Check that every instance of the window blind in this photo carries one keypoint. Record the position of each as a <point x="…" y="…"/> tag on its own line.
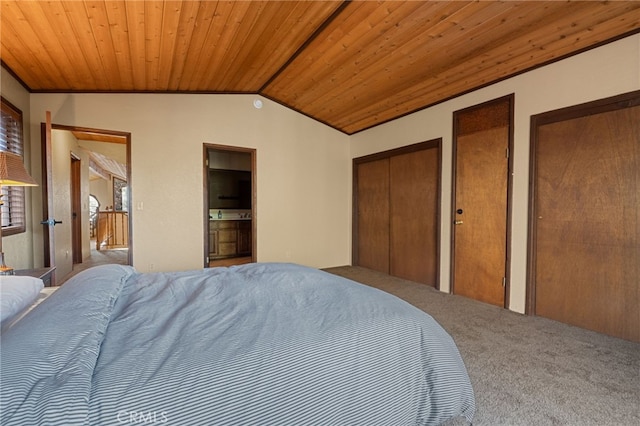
<point x="13" y="208"/>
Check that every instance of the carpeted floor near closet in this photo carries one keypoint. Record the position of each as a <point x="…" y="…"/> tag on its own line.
<point x="528" y="370"/>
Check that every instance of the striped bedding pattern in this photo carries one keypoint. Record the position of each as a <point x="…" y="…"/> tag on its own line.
<point x="257" y="344"/>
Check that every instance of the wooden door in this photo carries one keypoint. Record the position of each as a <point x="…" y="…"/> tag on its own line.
<point x="372" y="215"/>
<point x="480" y="212"/>
<point x="414" y="204"/>
<point x="76" y="211"/>
<point x="586" y="217"/>
<point x="48" y="221"/>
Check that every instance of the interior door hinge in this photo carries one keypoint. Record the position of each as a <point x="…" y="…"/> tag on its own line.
<point x="507" y="153"/>
<point x="504" y="281"/>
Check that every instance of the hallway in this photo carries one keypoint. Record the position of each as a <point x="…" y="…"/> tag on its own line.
<point x="101" y="257"/>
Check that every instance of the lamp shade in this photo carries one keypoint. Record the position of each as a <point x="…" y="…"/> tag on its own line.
<point x="12" y="171"/>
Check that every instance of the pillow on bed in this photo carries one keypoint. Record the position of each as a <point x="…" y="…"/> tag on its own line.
<point x="17" y="293"/>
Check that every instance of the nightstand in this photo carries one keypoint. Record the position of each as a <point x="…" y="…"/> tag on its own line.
<point x="45" y="274"/>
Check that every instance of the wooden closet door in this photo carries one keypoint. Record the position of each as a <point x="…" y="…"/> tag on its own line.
<point x="587" y="222"/>
<point x="413" y="193"/>
<point x="373" y="215"/>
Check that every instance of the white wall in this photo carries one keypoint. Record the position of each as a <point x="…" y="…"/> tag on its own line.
<point x="599" y="73"/>
<point x="18" y="248"/>
<point x="303" y="170"/>
<point x="101" y="189"/>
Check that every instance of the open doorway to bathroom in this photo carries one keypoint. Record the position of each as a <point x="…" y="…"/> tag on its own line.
<point x="230" y="204"/>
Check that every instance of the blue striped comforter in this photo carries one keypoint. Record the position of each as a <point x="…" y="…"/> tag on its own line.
<point x="259" y="344"/>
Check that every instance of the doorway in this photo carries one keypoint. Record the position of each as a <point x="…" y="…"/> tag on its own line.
<point x="584" y="244"/>
<point x="66" y="216"/>
<point x="483" y="140"/>
<point x="229" y="175"/>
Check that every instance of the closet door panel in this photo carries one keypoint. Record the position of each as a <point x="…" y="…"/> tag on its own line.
<point x="413" y="193"/>
<point x="373" y="215"/>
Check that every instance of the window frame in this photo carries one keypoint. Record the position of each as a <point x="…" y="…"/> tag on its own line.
<point x="14" y="220"/>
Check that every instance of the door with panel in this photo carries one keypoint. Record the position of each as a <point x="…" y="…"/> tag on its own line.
<point x="371" y="248"/>
<point x="480" y="201"/>
<point x="76" y="209"/>
<point x="586" y="217"/>
<point x="48" y="221"/>
<point x="414" y="205"/>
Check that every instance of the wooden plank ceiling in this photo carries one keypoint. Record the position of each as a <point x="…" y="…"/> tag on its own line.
<point x="351" y="65"/>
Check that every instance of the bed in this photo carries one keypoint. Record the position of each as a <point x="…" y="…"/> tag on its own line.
<point x="256" y="344"/>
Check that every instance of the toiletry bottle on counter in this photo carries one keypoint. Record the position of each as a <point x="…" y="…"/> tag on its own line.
<point x="219" y="214"/>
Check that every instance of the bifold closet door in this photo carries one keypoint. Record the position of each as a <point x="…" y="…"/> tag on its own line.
<point x="373" y="215"/>
<point x="413" y="194"/>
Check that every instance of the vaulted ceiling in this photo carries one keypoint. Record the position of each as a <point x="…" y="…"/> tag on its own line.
<point x="351" y="65"/>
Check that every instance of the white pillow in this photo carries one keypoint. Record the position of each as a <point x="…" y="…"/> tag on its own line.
<point x="17" y="293"/>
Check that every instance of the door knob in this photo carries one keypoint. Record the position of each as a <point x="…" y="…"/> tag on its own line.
<point x="457" y="222"/>
<point x="51" y="222"/>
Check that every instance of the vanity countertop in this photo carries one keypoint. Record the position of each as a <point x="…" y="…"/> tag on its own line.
<point x="229" y="214"/>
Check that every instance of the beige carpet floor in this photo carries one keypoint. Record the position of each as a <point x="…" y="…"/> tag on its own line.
<point x="528" y="370"/>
